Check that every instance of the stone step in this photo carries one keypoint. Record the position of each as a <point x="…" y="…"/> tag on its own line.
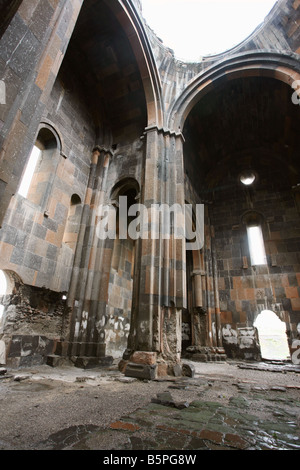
<point x="86" y="362"/>
<point x="54" y="360"/>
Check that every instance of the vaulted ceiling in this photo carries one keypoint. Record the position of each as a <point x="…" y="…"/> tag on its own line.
<point x="244" y="123"/>
<point x="101" y="56"/>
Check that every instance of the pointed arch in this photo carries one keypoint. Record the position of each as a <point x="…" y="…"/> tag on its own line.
<point x="128" y="17"/>
<point x="254" y="64"/>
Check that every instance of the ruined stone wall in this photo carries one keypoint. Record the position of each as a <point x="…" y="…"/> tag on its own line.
<point x="32" y="236"/>
<point x="32" y="324"/>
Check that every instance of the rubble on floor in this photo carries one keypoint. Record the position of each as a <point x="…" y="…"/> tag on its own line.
<point x="222" y="407"/>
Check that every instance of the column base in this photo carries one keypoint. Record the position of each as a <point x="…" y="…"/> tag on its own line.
<point x="148" y="366"/>
<point x="85" y="362"/>
<point x="205" y="354"/>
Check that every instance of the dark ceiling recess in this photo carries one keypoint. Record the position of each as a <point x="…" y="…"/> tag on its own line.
<point x="101" y="55"/>
<point x="246" y="124"/>
<point x="8" y="9"/>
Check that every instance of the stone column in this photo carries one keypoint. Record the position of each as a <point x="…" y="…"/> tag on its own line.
<point x="216" y="293"/>
<point x="161" y="285"/>
<point x="199" y="323"/>
<point x="88" y="291"/>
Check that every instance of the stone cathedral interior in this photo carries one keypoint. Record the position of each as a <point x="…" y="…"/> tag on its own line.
<point x="97" y="110"/>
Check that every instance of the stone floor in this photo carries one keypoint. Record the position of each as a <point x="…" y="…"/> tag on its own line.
<point x="225" y="406"/>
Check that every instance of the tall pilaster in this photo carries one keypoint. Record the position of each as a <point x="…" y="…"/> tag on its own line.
<point x="162" y="267"/>
<point x="88" y="295"/>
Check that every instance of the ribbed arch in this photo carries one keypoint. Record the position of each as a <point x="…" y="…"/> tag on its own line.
<point x="262" y="64"/>
<point x="129" y="19"/>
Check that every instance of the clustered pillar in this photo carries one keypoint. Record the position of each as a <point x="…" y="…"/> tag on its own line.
<point x="156" y="337"/>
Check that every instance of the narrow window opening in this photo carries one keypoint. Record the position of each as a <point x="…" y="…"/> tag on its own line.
<point x="29" y="171"/>
<point x="73" y="222"/>
<point x="272" y="336"/>
<point x="256" y="245"/>
<point x="37" y="179"/>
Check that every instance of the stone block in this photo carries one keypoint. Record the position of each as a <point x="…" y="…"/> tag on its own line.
<point x="56" y="361"/>
<point x="101" y="349"/>
<point x="143" y="357"/>
<point x="15" y="346"/>
<point x="177" y="370"/>
<point x="162" y="369"/>
<point x="188" y="370"/>
<point x="164" y="398"/>
<point x="141" y="371"/>
<point x="2" y="354"/>
<point x="85" y="362"/>
<point x="199" y="357"/>
<point x="122" y="365"/>
<point x="127" y="354"/>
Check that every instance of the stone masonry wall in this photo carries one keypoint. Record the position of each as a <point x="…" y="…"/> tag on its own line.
<point x="244" y="291"/>
<point x="32" y="235"/>
<point x="34" y="321"/>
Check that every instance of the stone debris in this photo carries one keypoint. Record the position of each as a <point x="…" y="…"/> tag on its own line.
<point x="188" y="370"/>
<point x="141" y="371"/>
<point x="198" y="413"/>
<point x="271" y="367"/>
<point x="279" y="389"/>
<point x="20" y="378"/>
<point x="166" y="399"/>
<point x="126" y="379"/>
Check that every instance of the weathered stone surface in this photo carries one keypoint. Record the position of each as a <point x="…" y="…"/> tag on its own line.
<point x="21" y="377"/>
<point x="141" y="371"/>
<point x="56" y="361"/>
<point x="122" y="365"/>
<point x="92" y="362"/>
<point x="143" y="357"/>
<point x="2" y="353"/>
<point x="188" y="370"/>
<point x="162" y="369"/>
<point x="177" y="370"/>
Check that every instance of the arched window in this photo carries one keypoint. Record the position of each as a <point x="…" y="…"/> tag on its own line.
<point x="39" y="172"/>
<point x="29" y="171"/>
<point x="256" y="245"/>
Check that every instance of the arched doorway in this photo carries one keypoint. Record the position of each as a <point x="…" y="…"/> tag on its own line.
<point x="272" y="336"/>
<point x="121" y="273"/>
